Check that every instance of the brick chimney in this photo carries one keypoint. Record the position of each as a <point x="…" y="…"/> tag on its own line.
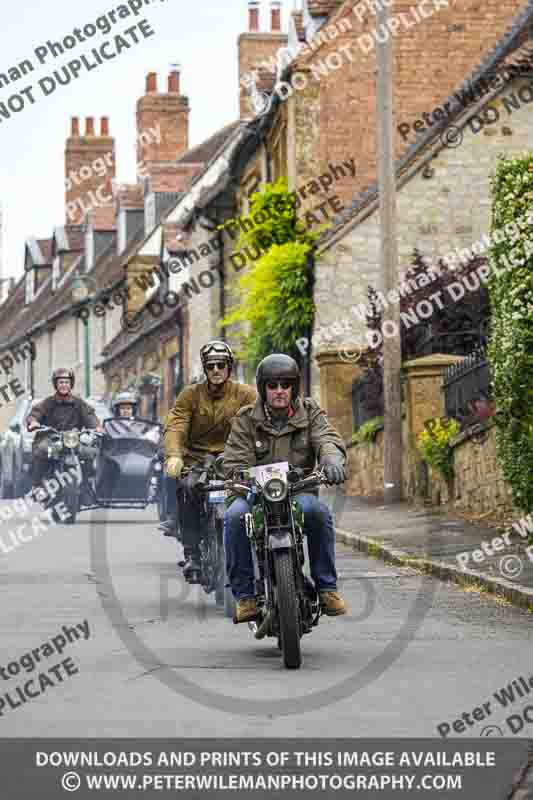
<point x="258" y="51"/>
<point x="275" y="16"/>
<point x="162" y="122"/>
<point x="90" y="166"/>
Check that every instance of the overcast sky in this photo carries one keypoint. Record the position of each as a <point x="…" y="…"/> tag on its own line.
<point x="201" y="36"/>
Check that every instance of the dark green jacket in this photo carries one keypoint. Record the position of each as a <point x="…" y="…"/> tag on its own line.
<point x="304" y="440"/>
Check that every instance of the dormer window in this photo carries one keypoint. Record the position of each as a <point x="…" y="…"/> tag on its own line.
<point x="56" y="272"/>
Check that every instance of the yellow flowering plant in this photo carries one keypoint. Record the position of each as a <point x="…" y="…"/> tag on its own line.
<point x="434" y="443"/>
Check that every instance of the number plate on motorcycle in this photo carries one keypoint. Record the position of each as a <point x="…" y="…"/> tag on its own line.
<point x="217" y="497"/>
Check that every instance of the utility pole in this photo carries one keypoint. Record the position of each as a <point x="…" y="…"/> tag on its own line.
<point x="392" y="351"/>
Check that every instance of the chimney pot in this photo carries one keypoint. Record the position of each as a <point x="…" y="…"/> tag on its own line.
<point x="253" y="12"/>
<point x="174" y="82"/>
<point x="151" y="82"/>
<point x="89" y="126"/>
<point x="275" y="10"/>
<point x="74" y="126"/>
<point x="104" y="126"/>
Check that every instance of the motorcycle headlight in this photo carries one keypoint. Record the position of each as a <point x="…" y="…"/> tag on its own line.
<point x="275" y="490"/>
<point x="86" y="439"/>
<point x="71" y="439"/>
<point x="158" y="466"/>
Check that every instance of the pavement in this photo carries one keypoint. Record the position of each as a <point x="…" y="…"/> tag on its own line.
<point x="441" y="545"/>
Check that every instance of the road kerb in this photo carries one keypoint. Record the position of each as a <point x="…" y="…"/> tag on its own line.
<point x="514" y="593"/>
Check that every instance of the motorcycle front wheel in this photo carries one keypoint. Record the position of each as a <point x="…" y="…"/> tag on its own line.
<point x="289" y="609"/>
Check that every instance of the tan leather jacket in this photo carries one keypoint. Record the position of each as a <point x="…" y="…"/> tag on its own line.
<point x="200" y="422"/>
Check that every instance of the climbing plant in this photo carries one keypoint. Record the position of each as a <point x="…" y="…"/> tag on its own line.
<point x="511" y="341"/>
<point x="276" y="293"/>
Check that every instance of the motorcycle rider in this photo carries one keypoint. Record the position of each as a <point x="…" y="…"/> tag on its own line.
<point x="62" y="411"/>
<point x="125" y="405"/>
<point x="282" y="427"/>
<point x="197" y="426"/>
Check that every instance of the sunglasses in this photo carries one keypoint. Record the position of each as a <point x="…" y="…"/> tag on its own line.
<point x="272" y="385"/>
<point x="216" y="364"/>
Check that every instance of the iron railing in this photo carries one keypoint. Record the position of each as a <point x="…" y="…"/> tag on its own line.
<point x="467" y="389"/>
<point x="367" y="397"/>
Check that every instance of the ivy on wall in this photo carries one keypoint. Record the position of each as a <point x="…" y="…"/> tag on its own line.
<point x="276" y="295"/>
<point x="511" y="341"/>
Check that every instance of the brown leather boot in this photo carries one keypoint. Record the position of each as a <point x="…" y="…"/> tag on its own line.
<point x="332" y="604"/>
<point x="246" y="609"/>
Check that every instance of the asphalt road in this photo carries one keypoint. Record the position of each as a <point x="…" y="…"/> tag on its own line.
<point x="161" y="659"/>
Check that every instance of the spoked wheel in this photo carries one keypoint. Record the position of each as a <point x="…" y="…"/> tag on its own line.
<point x="71" y="500"/>
<point x="289" y="610"/>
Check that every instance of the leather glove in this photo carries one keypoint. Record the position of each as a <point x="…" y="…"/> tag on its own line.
<point x="174" y="466"/>
<point x="190" y="482"/>
<point x="333" y="469"/>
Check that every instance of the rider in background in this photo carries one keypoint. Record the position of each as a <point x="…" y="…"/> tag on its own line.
<point x="125" y="405"/>
<point x="62" y="411"/>
<point x="197" y="426"/>
<point x="282" y="427"/>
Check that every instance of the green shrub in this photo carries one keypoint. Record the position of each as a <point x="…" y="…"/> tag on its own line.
<point x="511" y="341"/>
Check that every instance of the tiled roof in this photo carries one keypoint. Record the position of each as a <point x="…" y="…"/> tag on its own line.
<point x="45" y="246"/>
<point x="204" y="152"/>
<point x="511" y="47"/>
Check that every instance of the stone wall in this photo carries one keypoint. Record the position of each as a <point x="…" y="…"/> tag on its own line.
<point x="479" y="483"/>
<point x="478" y="487"/>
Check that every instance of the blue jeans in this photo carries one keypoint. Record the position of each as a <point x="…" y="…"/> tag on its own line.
<point x="318" y="527"/>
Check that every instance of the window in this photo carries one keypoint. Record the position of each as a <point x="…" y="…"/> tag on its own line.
<point x="122" y="232"/>
<point x="89" y="249"/>
<point x="149" y="213"/>
<point x="29" y="286"/>
<point x="56" y="272"/>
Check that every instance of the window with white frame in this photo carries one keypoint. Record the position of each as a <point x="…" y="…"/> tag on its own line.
<point x="122" y="232"/>
<point x="56" y="272"/>
<point x="29" y="286"/>
<point x="149" y="213"/>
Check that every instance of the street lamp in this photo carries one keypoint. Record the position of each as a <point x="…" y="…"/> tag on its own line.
<point x="83" y="287"/>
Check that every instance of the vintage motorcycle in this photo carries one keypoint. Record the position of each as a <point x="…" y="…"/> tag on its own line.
<point x="129" y="465"/>
<point x="287" y="600"/>
<point x="70" y="453"/>
<point x="212" y="490"/>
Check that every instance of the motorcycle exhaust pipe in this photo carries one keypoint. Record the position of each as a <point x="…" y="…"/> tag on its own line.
<point x="263" y="629"/>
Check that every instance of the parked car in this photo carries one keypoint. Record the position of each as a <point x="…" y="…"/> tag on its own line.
<point x="16" y="447"/>
<point x="15" y="452"/>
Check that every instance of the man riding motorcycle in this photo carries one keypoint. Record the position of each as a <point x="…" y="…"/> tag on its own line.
<point x="125" y="405"/>
<point x="282" y="427"/>
<point x="62" y="411"/>
<point x="197" y="426"/>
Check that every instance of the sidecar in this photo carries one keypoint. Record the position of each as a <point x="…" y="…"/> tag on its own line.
<point x="128" y="467"/>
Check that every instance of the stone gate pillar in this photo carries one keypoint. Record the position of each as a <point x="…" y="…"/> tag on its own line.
<point x="424" y="399"/>
<point x="337" y="374"/>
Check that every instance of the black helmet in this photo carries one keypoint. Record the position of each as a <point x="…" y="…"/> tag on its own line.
<point x="215" y="349"/>
<point x="124" y="398"/>
<point x="62" y="373"/>
<point x="277" y="367"/>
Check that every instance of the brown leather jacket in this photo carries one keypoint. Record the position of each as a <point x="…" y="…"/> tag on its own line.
<point x="200" y="422"/>
<point x="305" y="438"/>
